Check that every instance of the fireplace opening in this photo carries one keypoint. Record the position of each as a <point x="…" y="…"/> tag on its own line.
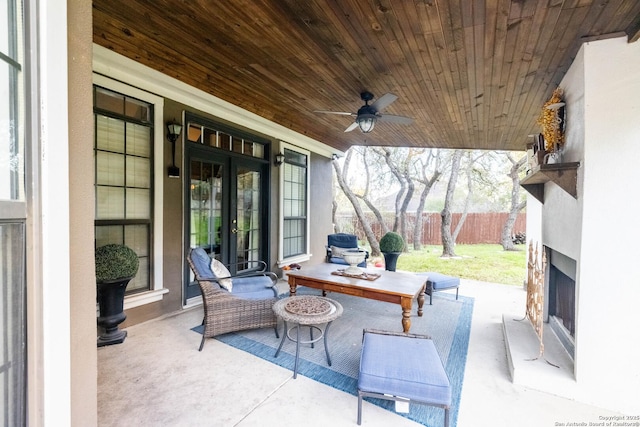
<point x="561" y="299"/>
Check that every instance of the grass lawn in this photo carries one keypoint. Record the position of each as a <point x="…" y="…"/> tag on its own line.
<point x="487" y="263"/>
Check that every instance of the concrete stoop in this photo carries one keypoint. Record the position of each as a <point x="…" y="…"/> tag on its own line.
<point x="528" y="368"/>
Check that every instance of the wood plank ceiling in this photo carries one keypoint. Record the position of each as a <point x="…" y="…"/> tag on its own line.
<point x="471" y="73"/>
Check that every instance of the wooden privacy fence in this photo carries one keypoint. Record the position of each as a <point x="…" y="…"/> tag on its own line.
<point x="477" y="227"/>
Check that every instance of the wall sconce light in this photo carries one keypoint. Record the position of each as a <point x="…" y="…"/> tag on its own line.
<point x="173" y="132"/>
<point x="334" y="156"/>
<point x="279" y="159"/>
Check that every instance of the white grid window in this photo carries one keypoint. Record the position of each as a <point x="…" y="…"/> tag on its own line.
<point x="124" y="165"/>
<point x="294" y="181"/>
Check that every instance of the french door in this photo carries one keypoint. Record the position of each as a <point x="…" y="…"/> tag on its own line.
<point x="226" y="199"/>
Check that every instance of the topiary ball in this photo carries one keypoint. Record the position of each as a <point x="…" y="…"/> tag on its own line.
<point x="391" y="242"/>
<point x="115" y="262"/>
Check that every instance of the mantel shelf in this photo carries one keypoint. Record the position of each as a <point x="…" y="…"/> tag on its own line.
<point x="564" y="175"/>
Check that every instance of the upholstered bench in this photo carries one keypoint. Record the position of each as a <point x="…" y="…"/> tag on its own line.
<point x="439" y="282"/>
<point x="402" y="367"/>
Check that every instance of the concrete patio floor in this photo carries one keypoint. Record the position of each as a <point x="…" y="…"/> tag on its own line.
<point x="157" y="377"/>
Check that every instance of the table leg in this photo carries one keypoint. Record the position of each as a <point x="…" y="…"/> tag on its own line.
<point x="284" y="337"/>
<point x="292" y="287"/>
<point x="311" y="336"/>
<point x="421" y="300"/>
<point x="406" y="314"/>
<point x="326" y="349"/>
<point x="295" y="366"/>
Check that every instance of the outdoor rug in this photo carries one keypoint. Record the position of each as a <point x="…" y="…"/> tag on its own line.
<point x="447" y="321"/>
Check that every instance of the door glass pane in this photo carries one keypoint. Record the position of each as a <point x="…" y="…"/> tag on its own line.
<point x="12" y="324"/>
<point x="249" y="213"/>
<point x="206" y="206"/>
<point x="11" y="134"/>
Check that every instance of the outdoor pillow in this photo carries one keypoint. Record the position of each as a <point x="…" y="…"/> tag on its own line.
<point x="220" y="271"/>
<point x="339" y="252"/>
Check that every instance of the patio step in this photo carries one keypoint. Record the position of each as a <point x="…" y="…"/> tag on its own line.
<point x="531" y="371"/>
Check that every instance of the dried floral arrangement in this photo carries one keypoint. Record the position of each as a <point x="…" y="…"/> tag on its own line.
<point x="552" y="121"/>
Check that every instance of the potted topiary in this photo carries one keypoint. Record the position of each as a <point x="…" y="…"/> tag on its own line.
<point x="391" y="246"/>
<point x="116" y="265"/>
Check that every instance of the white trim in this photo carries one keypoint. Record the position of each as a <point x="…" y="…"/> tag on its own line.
<point x="302" y="257"/>
<point x="107" y="62"/>
<point x="143" y="298"/>
<point x="56" y="352"/>
<point x="158" y="290"/>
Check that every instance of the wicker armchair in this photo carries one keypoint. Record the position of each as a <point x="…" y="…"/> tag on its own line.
<point x="248" y="306"/>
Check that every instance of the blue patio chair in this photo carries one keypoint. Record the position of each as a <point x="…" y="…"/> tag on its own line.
<point x="338" y="243"/>
<point x="247" y="305"/>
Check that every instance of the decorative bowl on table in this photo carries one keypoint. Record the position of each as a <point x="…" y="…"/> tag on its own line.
<point x="353" y="258"/>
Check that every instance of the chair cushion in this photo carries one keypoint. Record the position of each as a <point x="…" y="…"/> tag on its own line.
<point x="202" y="264"/>
<point x="441" y="281"/>
<point x="253" y="287"/>
<point x="342" y="240"/>
<point x="403" y="367"/>
<point x="220" y="271"/>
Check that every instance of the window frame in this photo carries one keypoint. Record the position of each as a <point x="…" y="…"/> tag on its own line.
<point x="157" y="290"/>
<point x="306" y="256"/>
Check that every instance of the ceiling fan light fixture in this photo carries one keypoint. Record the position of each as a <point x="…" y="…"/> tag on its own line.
<point x="366" y="122"/>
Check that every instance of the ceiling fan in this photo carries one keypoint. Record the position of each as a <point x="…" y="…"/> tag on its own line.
<point x="368" y="114"/>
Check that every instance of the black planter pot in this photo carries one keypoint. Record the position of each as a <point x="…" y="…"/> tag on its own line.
<point x="390" y="260"/>
<point x="111" y="302"/>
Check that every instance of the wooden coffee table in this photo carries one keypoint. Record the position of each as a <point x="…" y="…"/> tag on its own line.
<point x="391" y="286"/>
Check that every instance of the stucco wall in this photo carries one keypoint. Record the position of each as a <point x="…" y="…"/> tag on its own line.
<point x="321" y="199"/>
<point x="599" y="229"/>
<point x="609" y="281"/>
<point x="84" y="371"/>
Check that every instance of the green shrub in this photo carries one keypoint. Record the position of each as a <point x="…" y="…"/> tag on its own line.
<point x="115" y="262"/>
<point x="391" y="242"/>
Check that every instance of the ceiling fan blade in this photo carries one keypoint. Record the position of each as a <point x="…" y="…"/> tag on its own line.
<point x="395" y="119"/>
<point x="384" y="101"/>
<point x="351" y="127"/>
<point x="342" y="113"/>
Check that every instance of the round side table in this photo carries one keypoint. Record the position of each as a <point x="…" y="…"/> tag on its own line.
<point x="310" y="311"/>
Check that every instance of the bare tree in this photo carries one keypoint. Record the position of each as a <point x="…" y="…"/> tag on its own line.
<point x="516" y="204"/>
<point x="433" y="157"/>
<point x="395" y="168"/>
<point x="447" y="239"/>
<point x="365" y="195"/>
<point x="401" y="164"/>
<point x="366" y="226"/>
<point x="472" y="175"/>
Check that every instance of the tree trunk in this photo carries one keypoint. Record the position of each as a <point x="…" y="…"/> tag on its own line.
<point x="516" y="206"/>
<point x="403" y="188"/>
<point x="447" y="239"/>
<point x="365" y="196"/>
<point x="371" y="238"/>
<point x="405" y="205"/>
<point x="428" y="184"/>
<point x="467" y="201"/>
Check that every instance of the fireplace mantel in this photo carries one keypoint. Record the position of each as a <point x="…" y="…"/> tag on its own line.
<point x="563" y="174"/>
